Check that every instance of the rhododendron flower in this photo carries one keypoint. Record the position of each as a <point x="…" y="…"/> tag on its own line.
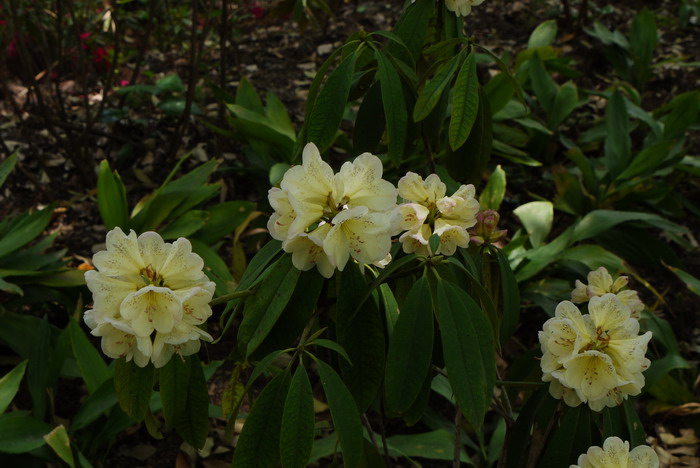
<point x="149" y="297"/>
<point x="323" y="218"/>
<point x="600" y="282"/>
<point x="616" y="454"/>
<point x="462" y="7"/>
<point x="428" y="211"/>
<point x="596" y="358"/>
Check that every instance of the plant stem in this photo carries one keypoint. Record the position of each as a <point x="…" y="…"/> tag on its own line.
<point x="231" y="296"/>
<point x="456" y="454"/>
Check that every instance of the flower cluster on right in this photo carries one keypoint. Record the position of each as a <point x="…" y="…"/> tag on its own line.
<point x="616" y="454"/>
<point x="595" y="358"/>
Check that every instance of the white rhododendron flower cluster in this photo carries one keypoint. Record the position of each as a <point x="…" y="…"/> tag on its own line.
<point x="462" y="7"/>
<point x="149" y="298"/>
<point x="600" y="282"/>
<point x="597" y="358"/>
<point x="616" y="454"/>
<point x="323" y="218"/>
<point x="428" y="211"/>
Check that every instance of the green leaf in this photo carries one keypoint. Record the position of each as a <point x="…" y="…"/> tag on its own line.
<point x="648" y="160"/>
<point x="95" y="405"/>
<point x="565" y="101"/>
<point x="684" y="113"/>
<point x="434" y="242"/>
<point x="59" y="441"/>
<point x="470" y="160"/>
<point x="277" y="114"/>
<point x="185" y="225"/>
<point x="543" y="35"/>
<point x="185" y="398"/>
<point x="536" y="218"/>
<point x="20" y="432"/>
<point x="468" y="348"/>
<point x="170" y="84"/>
<point x="9" y="385"/>
<point x="643" y="37"/>
<point x="545" y="88"/>
<point x="329" y="107"/>
<point x="37" y="368"/>
<point x="297" y="434"/>
<point x="263" y="308"/>
<point x="394" y="107"/>
<point x="510" y="296"/>
<point x="634" y="425"/>
<point x="223" y="219"/>
<point x="259" y="443"/>
<point x="111" y="198"/>
<point x="247" y="97"/>
<point x="7" y="166"/>
<point x="24" y="229"/>
<point x="361" y="334"/>
<point x="413" y="25"/>
<point x="258" y="127"/>
<point x="430" y="95"/>
<point x="617" y="143"/>
<point x="370" y="121"/>
<point x="346" y="417"/>
<point x="690" y="281"/>
<point x="92" y="366"/>
<point x="133" y="386"/>
<point x="594" y="257"/>
<point x="410" y="350"/>
<point x="570" y="439"/>
<point x="492" y="195"/>
<point x="332" y="345"/>
<point x="465" y="104"/>
<point x="434" y="445"/>
<point x="599" y="221"/>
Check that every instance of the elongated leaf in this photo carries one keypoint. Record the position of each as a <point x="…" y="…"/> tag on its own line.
<point x="264" y="307"/>
<point x="328" y="110"/>
<point x="361" y="334"/>
<point x="297" y="434"/>
<point x="24" y="229"/>
<point x="7" y="166"/>
<point x="9" y="384"/>
<point x="259" y="443"/>
<point x="95" y="405"/>
<point x="333" y="346"/>
<point x="643" y="37"/>
<point x="684" y="113"/>
<point x="183" y="391"/>
<point x="617" y="142"/>
<point x="648" y="160"/>
<point x="690" y="281"/>
<point x="413" y="25"/>
<point x="634" y="425"/>
<point x="59" y="441"/>
<point x="20" y="432"/>
<point x="92" y="366"/>
<point x="492" y="195"/>
<point x="543" y="35"/>
<point x="565" y="101"/>
<point x="37" y="369"/>
<point x="465" y="104"/>
<point x="430" y="95"/>
<point x="571" y="438"/>
<point x="468" y="348"/>
<point x="537" y="220"/>
<point x="247" y="97"/>
<point x="545" y="88"/>
<point x="410" y="350"/>
<point x="346" y="417"/>
<point x="370" y="121"/>
<point x="133" y="385"/>
<point x="111" y="198"/>
<point x="599" y="221"/>
<point x="394" y="107"/>
<point x="510" y="296"/>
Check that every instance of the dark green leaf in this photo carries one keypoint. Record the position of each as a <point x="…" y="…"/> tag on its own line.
<point x="430" y="95"/>
<point x="297" y="434"/>
<point x="346" y="417"/>
<point x="565" y="101"/>
<point x="259" y="443"/>
<point x="24" y="229"/>
<point x="263" y="308"/>
<point x="510" y="296"/>
<point x="6" y="167"/>
<point x="395" y="112"/>
<point x="37" y="369"/>
<point x="247" y="97"/>
<point x="370" y="121"/>
<point x="19" y="432"/>
<point x="545" y="88"/>
<point x="95" y="405"/>
<point x="648" y="160"/>
<point x="465" y="104"/>
<point x="170" y="84"/>
<point x="492" y="195"/>
<point x="543" y="35"/>
<point x="468" y="348"/>
<point x="322" y="123"/>
<point x="410" y="350"/>
<point x="133" y="386"/>
<point x="413" y="25"/>
<point x="634" y="425"/>
<point x="92" y="366"/>
<point x="617" y="142"/>
<point x="570" y="439"/>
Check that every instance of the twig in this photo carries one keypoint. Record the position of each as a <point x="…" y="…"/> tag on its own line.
<point x="382" y="429"/>
<point x="231" y="296"/>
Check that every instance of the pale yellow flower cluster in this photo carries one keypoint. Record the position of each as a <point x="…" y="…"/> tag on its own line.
<point x="616" y="454"/>
<point x="428" y="211"/>
<point x="149" y="298"/>
<point x="323" y="219"/>
<point x="597" y="358"/>
<point x="600" y="282"/>
<point x="462" y="7"/>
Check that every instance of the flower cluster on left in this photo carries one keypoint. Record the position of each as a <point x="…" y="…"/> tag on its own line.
<point x="149" y="298"/>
